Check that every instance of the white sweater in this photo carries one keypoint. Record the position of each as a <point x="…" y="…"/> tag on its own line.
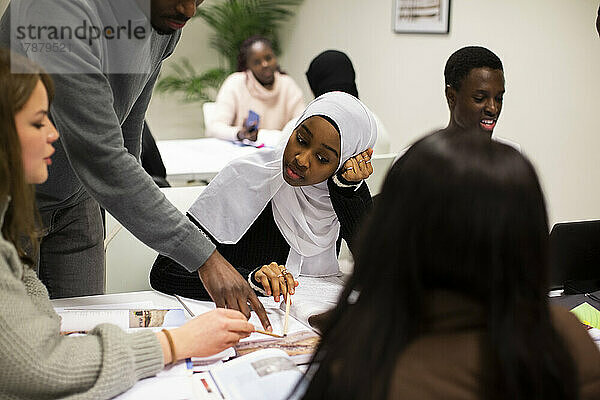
<point x="241" y="92"/>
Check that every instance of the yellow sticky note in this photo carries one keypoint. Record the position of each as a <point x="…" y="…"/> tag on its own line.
<point x="588" y="315"/>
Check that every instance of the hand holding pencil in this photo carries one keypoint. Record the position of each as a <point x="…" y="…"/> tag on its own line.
<point x="276" y="280"/>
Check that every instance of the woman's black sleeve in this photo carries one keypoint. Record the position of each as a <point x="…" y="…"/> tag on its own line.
<point x="351" y="204"/>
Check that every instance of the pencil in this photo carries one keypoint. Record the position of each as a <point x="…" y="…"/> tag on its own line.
<point x="184" y="306"/>
<point x="268" y="333"/>
<point x="287" y="314"/>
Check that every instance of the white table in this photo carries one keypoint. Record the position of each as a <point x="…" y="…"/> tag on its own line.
<point x="159" y="300"/>
<point x="197" y="161"/>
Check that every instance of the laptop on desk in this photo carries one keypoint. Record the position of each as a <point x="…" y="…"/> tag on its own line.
<point x="575" y="256"/>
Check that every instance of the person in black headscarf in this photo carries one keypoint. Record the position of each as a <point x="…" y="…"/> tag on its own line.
<point x="332" y="71"/>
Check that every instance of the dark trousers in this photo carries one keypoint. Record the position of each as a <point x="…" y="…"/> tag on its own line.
<point x="71" y="255"/>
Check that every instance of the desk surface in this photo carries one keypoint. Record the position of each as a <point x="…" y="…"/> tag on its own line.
<point x="159" y="300"/>
<point x="573" y="300"/>
<point x="198" y="160"/>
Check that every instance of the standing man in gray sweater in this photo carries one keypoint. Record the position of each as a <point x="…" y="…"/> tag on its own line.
<point x="105" y="57"/>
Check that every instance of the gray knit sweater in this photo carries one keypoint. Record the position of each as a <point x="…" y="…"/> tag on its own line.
<point x="36" y="362"/>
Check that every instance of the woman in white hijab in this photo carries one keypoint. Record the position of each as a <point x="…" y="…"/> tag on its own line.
<point x="281" y="213"/>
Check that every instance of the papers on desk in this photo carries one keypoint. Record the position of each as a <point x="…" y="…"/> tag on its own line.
<point x="314" y="296"/>
<point x="83" y="320"/>
<point x="588" y="315"/>
<point x="247" y="142"/>
<point x="266" y="374"/>
<point x="271" y="370"/>
<point x="170" y="388"/>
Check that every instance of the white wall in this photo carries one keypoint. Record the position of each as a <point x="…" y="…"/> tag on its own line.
<point x="169" y="117"/>
<point x="551" y="54"/>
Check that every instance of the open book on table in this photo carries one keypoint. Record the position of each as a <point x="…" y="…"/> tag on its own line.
<point x="265" y="374"/>
<point x="83" y="320"/>
<point x="313" y="296"/>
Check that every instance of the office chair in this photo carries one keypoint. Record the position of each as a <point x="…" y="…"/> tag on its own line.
<point x="575" y="256"/>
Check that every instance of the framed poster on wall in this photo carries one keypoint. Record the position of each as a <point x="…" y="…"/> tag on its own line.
<point x="421" y="16"/>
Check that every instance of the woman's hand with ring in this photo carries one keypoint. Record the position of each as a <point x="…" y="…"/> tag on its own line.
<point x="359" y="167"/>
<point x="276" y="280"/>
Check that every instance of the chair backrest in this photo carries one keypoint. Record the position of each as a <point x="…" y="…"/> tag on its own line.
<point x="381" y="165"/>
<point x="128" y="260"/>
<point x="383" y="143"/>
<point x="575" y="254"/>
<point x="208" y="111"/>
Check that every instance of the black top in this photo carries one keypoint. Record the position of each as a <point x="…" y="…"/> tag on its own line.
<point x="262" y="244"/>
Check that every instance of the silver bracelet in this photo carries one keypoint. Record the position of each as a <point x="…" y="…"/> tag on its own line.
<point x="253" y="286"/>
<point x="338" y="183"/>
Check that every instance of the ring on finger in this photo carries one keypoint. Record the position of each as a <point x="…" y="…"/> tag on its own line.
<point x="279" y="276"/>
<point x="349" y="168"/>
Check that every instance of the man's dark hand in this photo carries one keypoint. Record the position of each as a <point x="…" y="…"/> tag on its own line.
<point x="229" y="289"/>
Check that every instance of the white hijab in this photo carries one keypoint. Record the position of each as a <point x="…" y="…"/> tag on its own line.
<point x="304" y="214"/>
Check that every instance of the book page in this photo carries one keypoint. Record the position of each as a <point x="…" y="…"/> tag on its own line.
<point x="587" y="314"/>
<point x="165" y="388"/>
<point x="314" y="296"/>
<point x="324" y="290"/>
<point x="300" y="346"/>
<point x="111" y="306"/>
<point x="301" y="310"/>
<point x="85" y="320"/>
<point x="265" y="374"/>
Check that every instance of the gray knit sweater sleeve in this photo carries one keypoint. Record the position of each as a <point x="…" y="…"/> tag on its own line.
<point x="37" y="362"/>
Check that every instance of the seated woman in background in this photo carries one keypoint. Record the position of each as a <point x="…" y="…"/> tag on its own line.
<point x="258" y="86"/>
<point x="331" y="71"/>
<point x="448" y="298"/>
<point x="289" y="206"/>
<point x="36" y="362"/>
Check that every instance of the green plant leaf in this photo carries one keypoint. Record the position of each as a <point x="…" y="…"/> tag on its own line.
<point x="193" y="86"/>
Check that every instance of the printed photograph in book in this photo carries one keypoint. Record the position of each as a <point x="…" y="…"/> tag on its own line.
<point x="150" y="318"/>
<point x="300" y="346"/>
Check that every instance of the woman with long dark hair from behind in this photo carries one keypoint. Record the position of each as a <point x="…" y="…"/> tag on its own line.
<point x="458" y="307"/>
